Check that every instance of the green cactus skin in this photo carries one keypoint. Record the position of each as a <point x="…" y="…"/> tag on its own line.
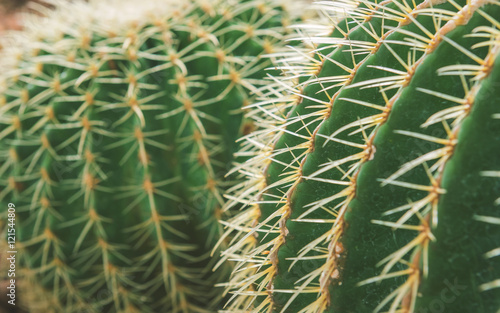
<point x="117" y="127"/>
<point x="375" y="186"/>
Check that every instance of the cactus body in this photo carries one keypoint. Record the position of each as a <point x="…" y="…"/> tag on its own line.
<point x="378" y="192"/>
<point x="117" y="125"/>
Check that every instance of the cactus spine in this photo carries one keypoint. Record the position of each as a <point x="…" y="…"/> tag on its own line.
<point x="117" y="124"/>
<point x="374" y="184"/>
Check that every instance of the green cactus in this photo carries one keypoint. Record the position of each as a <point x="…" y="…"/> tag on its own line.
<point x="118" y="121"/>
<point x="375" y="180"/>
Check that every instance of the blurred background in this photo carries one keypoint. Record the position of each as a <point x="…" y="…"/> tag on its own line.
<point x="10" y="12"/>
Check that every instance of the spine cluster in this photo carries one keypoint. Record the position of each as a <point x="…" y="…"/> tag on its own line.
<point x="118" y="122"/>
<point x="367" y="180"/>
<point x="376" y="167"/>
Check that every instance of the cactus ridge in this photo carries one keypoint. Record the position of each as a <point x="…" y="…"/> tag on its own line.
<point x="494" y="221"/>
<point x="116" y="129"/>
<point x="370" y="144"/>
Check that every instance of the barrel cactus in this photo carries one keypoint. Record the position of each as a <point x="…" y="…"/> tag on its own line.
<point x="118" y="120"/>
<point x="375" y="180"/>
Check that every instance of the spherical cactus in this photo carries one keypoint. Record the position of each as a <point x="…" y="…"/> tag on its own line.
<point x="118" y="120"/>
<point x="379" y="191"/>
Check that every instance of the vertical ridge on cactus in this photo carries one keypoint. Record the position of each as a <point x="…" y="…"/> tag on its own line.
<point x="373" y="189"/>
<point x="117" y="124"/>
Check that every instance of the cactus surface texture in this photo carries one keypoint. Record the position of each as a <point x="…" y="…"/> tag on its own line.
<point x="375" y="180"/>
<point x="118" y="121"/>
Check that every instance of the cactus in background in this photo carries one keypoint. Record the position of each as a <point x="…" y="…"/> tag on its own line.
<point x="118" y="121"/>
<point x="378" y="192"/>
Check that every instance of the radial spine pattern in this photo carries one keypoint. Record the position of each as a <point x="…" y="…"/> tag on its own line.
<point x="374" y="183"/>
<point x="118" y="120"/>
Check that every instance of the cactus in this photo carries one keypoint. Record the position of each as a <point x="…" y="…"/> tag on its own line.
<point x="374" y="181"/>
<point x="117" y="126"/>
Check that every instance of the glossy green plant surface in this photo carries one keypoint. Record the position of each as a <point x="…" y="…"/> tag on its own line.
<point x="375" y="186"/>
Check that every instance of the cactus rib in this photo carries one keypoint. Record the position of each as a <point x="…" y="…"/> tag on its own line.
<point x="366" y="152"/>
<point x="118" y="121"/>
